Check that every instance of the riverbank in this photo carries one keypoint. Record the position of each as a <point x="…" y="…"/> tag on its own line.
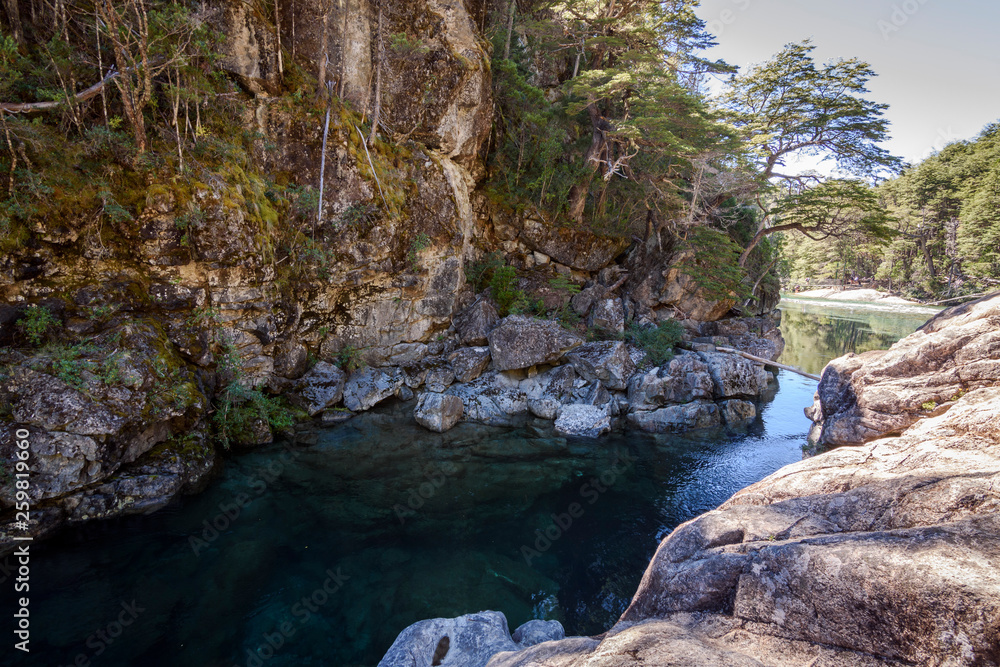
<point x="860" y="299"/>
<point x="738" y="585"/>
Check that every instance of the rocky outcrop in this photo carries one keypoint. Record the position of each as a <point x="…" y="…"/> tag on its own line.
<point x="609" y="361"/>
<point x="576" y="248"/>
<point x="882" y="553"/>
<point x="521" y="342"/>
<point x="320" y="388"/>
<point x="368" y="387"/>
<point x="107" y="424"/>
<point x="467" y="641"/>
<point x="475" y="322"/>
<point x="862" y="397"/>
<point x="469" y="362"/>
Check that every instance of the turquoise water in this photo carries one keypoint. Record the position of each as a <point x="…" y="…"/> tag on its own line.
<point x="320" y="555"/>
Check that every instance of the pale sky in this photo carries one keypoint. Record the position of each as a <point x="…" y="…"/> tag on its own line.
<point x="938" y="61"/>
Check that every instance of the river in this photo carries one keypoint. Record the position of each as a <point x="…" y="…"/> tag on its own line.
<point x="320" y="555"/>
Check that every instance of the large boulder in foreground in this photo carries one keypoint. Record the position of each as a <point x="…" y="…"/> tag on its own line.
<point x="466" y="641"/>
<point x="521" y="342"/>
<point x="863" y="397"/>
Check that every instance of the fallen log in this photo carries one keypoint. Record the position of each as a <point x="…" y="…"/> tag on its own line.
<point x="768" y="362"/>
<point x="82" y="96"/>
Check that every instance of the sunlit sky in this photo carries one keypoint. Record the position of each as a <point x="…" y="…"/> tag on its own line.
<point x="938" y="61"/>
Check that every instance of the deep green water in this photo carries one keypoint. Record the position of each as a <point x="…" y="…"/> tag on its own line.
<point x="329" y="551"/>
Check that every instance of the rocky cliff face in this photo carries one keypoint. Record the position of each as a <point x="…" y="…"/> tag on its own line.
<point x="881" y="552"/>
<point x="210" y="283"/>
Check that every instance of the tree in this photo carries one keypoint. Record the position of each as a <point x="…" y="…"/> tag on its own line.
<point x="833" y="208"/>
<point x="626" y="125"/>
<point x="789" y="107"/>
<point x="146" y="41"/>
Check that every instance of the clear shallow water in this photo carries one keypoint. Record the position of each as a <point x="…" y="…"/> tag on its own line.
<point x="328" y="551"/>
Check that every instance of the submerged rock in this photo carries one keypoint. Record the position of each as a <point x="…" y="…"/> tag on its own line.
<point x="737" y="412"/>
<point x="587" y="421"/>
<point x="521" y="342"/>
<point x="466" y="641"/>
<point x="438" y="412"/>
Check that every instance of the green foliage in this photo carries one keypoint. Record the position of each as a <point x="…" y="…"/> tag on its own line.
<point x="562" y="283"/>
<point x="944" y="223"/>
<point x="789" y="106"/>
<point x="505" y="292"/>
<point x="657" y="342"/>
<point x="419" y="242"/>
<point x="241" y="408"/>
<point x="615" y="141"/>
<point x="349" y="359"/>
<point x="712" y="262"/>
<point x="407" y="47"/>
<point x="480" y="273"/>
<point x="37" y="324"/>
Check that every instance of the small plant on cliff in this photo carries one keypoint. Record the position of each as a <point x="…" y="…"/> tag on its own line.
<point x="349" y="359"/>
<point x="480" y="272"/>
<point x="562" y="283"/>
<point x="37" y="323"/>
<point x="503" y="288"/>
<point x="241" y="407"/>
<point x="420" y="242"/>
<point x="657" y="342"/>
<point x="406" y="46"/>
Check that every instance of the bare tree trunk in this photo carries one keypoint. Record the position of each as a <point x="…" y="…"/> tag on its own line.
<point x="380" y="54"/>
<point x="322" y="165"/>
<point x="100" y="67"/>
<point x="14" y="16"/>
<point x="13" y="155"/>
<point x="578" y="193"/>
<point x="324" y="56"/>
<point x="510" y="29"/>
<point x="277" y="32"/>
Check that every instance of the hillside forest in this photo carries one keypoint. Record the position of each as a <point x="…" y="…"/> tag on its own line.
<point x="602" y="119"/>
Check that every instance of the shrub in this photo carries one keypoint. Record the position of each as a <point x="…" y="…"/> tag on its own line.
<point x="480" y="273"/>
<point x="349" y="359"/>
<point x="37" y="323"/>
<point x="241" y="408"/>
<point x="657" y="342"/>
